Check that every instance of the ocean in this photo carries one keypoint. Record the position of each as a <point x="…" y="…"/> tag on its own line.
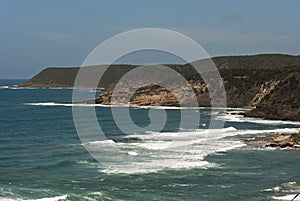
<point x="42" y="157"/>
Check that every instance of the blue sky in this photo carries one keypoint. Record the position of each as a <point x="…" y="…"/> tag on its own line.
<point x="35" y="34"/>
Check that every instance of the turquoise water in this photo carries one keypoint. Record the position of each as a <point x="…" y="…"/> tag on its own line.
<point x="42" y="157"/>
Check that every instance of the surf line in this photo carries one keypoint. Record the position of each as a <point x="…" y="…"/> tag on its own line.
<point x="295" y="196"/>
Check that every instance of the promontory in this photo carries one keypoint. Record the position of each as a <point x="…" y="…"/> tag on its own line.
<point x="268" y="84"/>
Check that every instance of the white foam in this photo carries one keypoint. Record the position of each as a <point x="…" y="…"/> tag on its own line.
<point x="156" y="151"/>
<point x="4" y="87"/>
<point x="98" y="105"/>
<point x="82" y="162"/>
<point x="240" y="118"/>
<point x="138" y="107"/>
<point x="280" y="130"/>
<point x="193" y="108"/>
<point x="57" y="198"/>
<point x="275" y="189"/>
<point x="286" y="197"/>
<point x="13" y="87"/>
<point x="171" y="150"/>
<point x="291" y="189"/>
<point x="102" y="142"/>
<point x="72" y="104"/>
<point x="62" y="104"/>
<point x="132" y="153"/>
<point x="45" y="104"/>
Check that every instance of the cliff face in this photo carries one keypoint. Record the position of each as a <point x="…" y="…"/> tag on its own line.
<point x="155" y="95"/>
<point x="283" y="102"/>
<point x="265" y="89"/>
<point x="271" y="94"/>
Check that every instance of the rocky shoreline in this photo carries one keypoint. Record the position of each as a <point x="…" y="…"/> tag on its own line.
<point x="275" y="99"/>
<point x="291" y="141"/>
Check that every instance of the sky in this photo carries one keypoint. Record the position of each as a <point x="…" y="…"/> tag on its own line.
<point x="35" y="34"/>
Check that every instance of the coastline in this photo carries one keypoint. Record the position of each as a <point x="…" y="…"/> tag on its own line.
<point x="269" y="85"/>
<point x="244" y="111"/>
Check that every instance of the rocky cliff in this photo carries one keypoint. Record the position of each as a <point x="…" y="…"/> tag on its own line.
<point x="282" y="102"/>
<point x="269" y="84"/>
<point x="155" y="95"/>
<point x="271" y="94"/>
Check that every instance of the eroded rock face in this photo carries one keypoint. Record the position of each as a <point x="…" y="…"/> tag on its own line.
<point x="265" y="89"/>
<point x="155" y="95"/>
<point x="282" y="102"/>
<point x="285" y="141"/>
<point x="272" y="99"/>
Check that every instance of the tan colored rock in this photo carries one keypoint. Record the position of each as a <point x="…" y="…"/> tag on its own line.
<point x="285" y="141"/>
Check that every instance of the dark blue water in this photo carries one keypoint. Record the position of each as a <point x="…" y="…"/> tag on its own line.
<point x="41" y="155"/>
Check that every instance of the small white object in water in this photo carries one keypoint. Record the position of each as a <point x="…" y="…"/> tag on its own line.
<point x="204" y="124"/>
<point x="132" y="153"/>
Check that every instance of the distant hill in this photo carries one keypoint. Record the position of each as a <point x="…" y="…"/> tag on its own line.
<point x="65" y="77"/>
<point x="54" y="77"/>
<point x="267" y="83"/>
<point x="261" y="61"/>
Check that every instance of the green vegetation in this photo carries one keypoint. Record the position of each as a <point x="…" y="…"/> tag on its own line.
<point x="53" y="77"/>
<point x="262" y="61"/>
<point x="262" y="66"/>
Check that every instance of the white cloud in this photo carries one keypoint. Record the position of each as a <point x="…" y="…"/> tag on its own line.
<point x="61" y="37"/>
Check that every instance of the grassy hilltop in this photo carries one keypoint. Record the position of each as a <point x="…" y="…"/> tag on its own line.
<point x="65" y="77"/>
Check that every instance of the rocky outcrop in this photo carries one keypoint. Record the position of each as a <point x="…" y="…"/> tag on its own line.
<point x="282" y="103"/>
<point x="155" y="95"/>
<point x="274" y="97"/>
<point x="284" y="141"/>
<point x="265" y="89"/>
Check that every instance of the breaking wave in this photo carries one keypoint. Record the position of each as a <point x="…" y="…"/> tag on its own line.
<point x="156" y="151"/>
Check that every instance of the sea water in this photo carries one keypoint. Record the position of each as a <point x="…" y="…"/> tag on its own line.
<point x="42" y="156"/>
